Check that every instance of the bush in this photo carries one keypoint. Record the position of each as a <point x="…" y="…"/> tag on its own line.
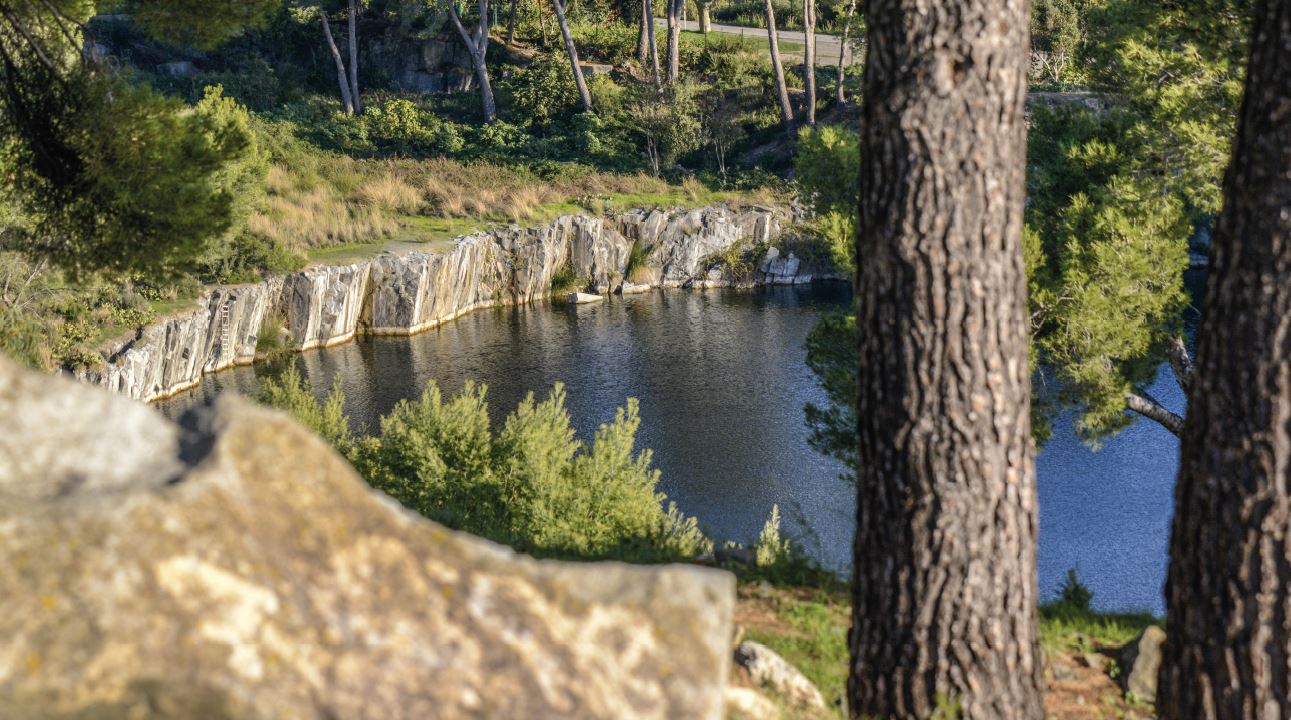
<point x="532" y="484"/>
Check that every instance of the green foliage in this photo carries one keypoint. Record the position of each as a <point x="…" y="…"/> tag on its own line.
<point x="772" y="550"/>
<point x="564" y="281"/>
<point x="399" y="125"/>
<point x="827" y="169"/>
<point x="666" y="119"/>
<point x="831" y="356"/>
<point x="1058" y="41"/>
<point x="200" y="23"/>
<point x="531" y="484"/>
<point x="289" y="392"/>
<point x="543" y="91"/>
<point x="1074" y="594"/>
<point x="809" y="630"/>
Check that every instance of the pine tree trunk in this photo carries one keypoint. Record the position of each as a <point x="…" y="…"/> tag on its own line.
<point x="777" y="68"/>
<point x="840" y="95"/>
<point x="354" y="59"/>
<point x="944" y="585"/>
<point x="511" y="24"/>
<point x="1228" y="649"/>
<point x="674" y="40"/>
<point x="705" y="16"/>
<point x="346" y="100"/>
<point x="809" y="57"/>
<point x="572" y="51"/>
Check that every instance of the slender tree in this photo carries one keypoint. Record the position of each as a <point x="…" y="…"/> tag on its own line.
<point x="354" y="57"/>
<point x="809" y="58"/>
<point x="1228" y="593"/>
<point x="647" y="19"/>
<point x="347" y="99"/>
<point x="511" y="24"/>
<point x="674" y="39"/>
<point x="842" y="52"/>
<point x="944" y="585"/>
<point x="572" y="51"/>
<point x="643" y="33"/>
<point x="777" y="67"/>
<point x="705" y="16"/>
<point x="477" y="43"/>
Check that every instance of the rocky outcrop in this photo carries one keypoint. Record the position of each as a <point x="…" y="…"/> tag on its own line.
<point x="1140" y="663"/>
<point x="767" y="669"/>
<point x="233" y="566"/>
<point x="406" y="293"/>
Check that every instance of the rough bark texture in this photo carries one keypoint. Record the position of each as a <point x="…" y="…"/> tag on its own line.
<point x="572" y="50"/>
<point x="809" y="58"/>
<point x="1228" y="593"/>
<point x="477" y="44"/>
<point x="354" y="57"/>
<point x="944" y="588"/>
<point x="840" y="96"/>
<point x="705" y="16"/>
<point x="777" y="67"/>
<point x="346" y="99"/>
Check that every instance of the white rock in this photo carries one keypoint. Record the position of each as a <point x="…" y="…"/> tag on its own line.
<point x="749" y="704"/>
<point x="770" y="670"/>
<point x="582" y="297"/>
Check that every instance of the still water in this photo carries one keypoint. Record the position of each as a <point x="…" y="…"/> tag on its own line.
<point x="721" y="378"/>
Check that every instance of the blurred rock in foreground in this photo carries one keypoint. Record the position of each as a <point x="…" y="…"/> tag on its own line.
<point x="233" y="566"/>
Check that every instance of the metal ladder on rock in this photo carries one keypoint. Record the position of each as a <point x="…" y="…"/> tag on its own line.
<point x="224" y="327"/>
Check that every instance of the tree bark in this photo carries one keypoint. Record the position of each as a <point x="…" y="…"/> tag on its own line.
<point x="944" y="582"/>
<point x="674" y="40"/>
<point x="354" y="59"/>
<point x="777" y="68"/>
<point x="809" y="58"/>
<point x="477" y="43"/>
<point x="511" y="24"/>
<point x="643" y="36"/>
<point x="572" y="51"/>
<point x="647" y="16"/>
<point x="1149" y="407"/>
<point x="705" y="16"/>
<point x="1228" y="593"/>
<point x="346" y="100"/>
<point x="840" y="95"/>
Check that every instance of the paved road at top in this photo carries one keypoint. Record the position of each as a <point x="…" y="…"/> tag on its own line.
<point x="827" y="46"/>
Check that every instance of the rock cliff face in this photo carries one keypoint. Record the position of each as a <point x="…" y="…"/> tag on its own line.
<point x="231" y="565"/>
<point x="403" y="294"/>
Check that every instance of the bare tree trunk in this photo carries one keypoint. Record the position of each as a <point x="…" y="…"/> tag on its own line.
<point x="842" y="52"/>
<point x="786" y="110"/>
<point x="643" y="34"/>
<point x="477" y="43"/>
<point x="354" y="60"/>
<point x="346" y="100"/>
<point x="944" y="585"/>
<point x="705" y="16"/>
<point x="572" y="50"/>
<point x="674" y="40"/>
<point x="647" y="9"/>
<point x="511" y="24"/>
<point x="809" y="58"/>
<point x="1228" y="594"/>
<point x="1149" y="407"/>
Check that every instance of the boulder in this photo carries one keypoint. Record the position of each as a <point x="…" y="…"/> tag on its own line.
<point x="231" y="565"/>
<point x="576" y="298"/>
<point x="631" y="288"/>
<point x="178" y="68"/>
<point x="1140" y="661"/>
<point x="768" y="669"/>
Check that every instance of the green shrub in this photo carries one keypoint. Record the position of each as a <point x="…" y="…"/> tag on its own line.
<point x="531" y="484"/>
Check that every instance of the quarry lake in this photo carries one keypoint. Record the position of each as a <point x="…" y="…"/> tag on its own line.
<point x="721" y="378"/>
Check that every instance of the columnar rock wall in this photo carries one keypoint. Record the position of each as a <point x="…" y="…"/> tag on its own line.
<point x="232" y="565"/>
<point x="403" y="294"/>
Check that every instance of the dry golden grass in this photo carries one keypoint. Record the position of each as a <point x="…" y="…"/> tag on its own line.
<point x="336" y="200"/>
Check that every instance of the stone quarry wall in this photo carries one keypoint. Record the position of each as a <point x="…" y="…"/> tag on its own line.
<point x="406" y="293"/>
<point x="232" y="565"/>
